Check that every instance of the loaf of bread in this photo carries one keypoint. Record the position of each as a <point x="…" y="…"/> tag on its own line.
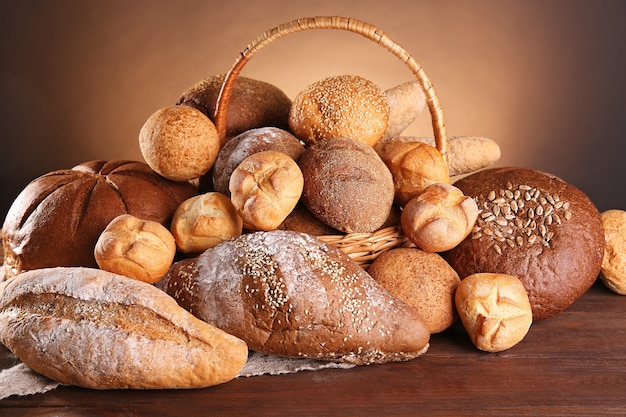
<point x="57" y="219"/>
<point x="289" y="294"/>
<point x="613" y="272"/>
<point x="253" y="103"/>
<point x="406" y="102"/>
<point x="346" y="185"/>
<point x="345" y="106"/>
<point x="494" y="309"/>
<point x="95" y="329"/>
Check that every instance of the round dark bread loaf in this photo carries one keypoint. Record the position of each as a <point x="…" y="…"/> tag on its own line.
<point x="250" y="142"/>
<point x="536" y="227"/>
<point x="253" y="103"/>
<point x="346" y="185"/>
<point x="57" y="219"/>
<point x="289" y="294"/>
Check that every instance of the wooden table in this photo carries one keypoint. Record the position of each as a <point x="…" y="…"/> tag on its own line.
<point x="573" y="364"/>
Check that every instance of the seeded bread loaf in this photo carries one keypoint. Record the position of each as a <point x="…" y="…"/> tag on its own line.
<point x="536" y="227"/>
<point x="289" y="294"/>
<point x="95" y="329"/>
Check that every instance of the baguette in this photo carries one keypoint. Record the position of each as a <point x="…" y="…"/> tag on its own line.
<point x="94" y="329"/>
<point x="289" y="294"/>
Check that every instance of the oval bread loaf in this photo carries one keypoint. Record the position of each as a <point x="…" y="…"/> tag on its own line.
<point x="95" y="329"/>
<point x="289" y="294"/>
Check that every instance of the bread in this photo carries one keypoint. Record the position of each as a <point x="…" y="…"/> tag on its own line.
<point x="95" y="329"/>
<point x="289" y="294"/>
<point x="466" y="154"/>
<point x="252" y="104"/>
<point x="302" y="220"/>
<point x="57" y="219"/>
<point x="136" y="248"/>
<point x="346" y="185"/>
<point x="345" y="106"/>
<point x="424" y="280"/>
<point x="414" y="166"/>
<point x="534" y="226"/>
<point x="204" y="221"/>
<point x="265" y="188"/>
<point x="179" y="142"/>
<point x="613" y="271"/>
<point x="406" y="102"/>
<point x="248" y="143"/>
<point x="439" y="218"/>
<point x="494" y="310"/>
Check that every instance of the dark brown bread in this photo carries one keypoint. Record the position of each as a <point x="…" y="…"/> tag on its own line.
<point x="250" y="142"/>
<point x="57" y="219"/>
<point x="346" y="185"/>
<point x="289" y="294"/>
<point x="536" y="227"/>
<point x="95" y="329"/>
<point x="252" y="104"/>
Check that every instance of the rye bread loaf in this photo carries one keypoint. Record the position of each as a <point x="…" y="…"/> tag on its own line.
<point x="57" y="219"/>
<point x="289" y="294"/>
<point x="536" y="227"/>
<point x="95" y="329"/>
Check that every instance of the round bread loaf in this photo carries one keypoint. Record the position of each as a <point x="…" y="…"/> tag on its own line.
<point x="536" y="227"/>
<point x="423" y="280"/>
<point x="494" y="309"/>
<point x="346" y="185"/>
<point x="250" y="142"/>
<point x="345" y="106"/>
<point x="57" y="219"/>
<point x="252" y="104"/>
<point x="289" y="294"/>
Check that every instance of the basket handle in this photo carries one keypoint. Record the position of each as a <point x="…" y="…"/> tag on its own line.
<point x="343" y="23"/>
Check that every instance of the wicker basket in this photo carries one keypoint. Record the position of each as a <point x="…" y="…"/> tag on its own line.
<point x="362" y="247"/>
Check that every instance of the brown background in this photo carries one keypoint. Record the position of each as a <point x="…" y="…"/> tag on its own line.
<point x="545" y="79"/>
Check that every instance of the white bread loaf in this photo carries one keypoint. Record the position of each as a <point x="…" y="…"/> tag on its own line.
<point x="289" y="294"/>
<point x="95" y="329"/>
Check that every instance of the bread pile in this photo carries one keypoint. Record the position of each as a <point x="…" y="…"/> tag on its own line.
<point x="215" y="242"/>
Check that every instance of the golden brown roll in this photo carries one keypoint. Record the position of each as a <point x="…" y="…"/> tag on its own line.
<point x="439" y="218"/>
<point x="253" y="103"/>
<point x="494" y="309"/>
<point x="345" y="106"/>
<point x="179" y="142"/>
<point x="346" y="185"/>
<point x="423" y="280"/>
<point x="136" y="248"/>
<point x="204" y="221"/>
<point x="536" y="227"/>
<point x="265" y="188"/>
<point x="613" y="272"/>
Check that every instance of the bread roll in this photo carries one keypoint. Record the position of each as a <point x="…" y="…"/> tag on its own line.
<point x="536" y="227"/>
<point x="248" y="143"/>
<point x="289" y="294"/>
<point x="136" y="248"/>
<point x="406" y="102"/>
<point x="414" y="166"/>
<point x="423" y="280"/>
<point x="265" y="188"/>
<point x="179" y="142"/>
<point x="345" y="106"/>
<point x="57" y="219"/>
<point x="613" y="271"/>
<point x="95" y="329"/>
<point x="204" y="221"/>
<point x="346" y="185"/>
<point x="252" y="104"/>
<point x="439" y="218"/>
<point x="494" y="309"/>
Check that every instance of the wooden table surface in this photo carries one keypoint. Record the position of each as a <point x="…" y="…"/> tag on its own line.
<point x="573" y="364"/>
